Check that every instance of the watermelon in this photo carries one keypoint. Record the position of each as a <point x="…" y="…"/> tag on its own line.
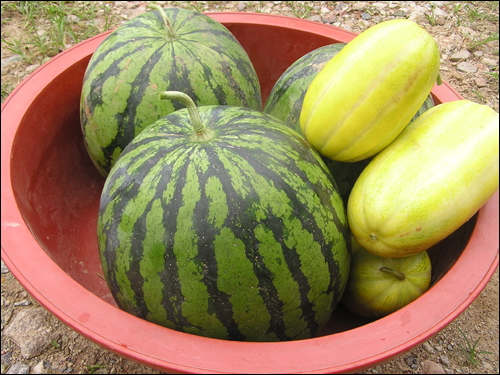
<point x="285" y="99"/>
<point x="173" y="49"/>
<point x="368" y="92"/>
<point x="233" y="231"/>
<point x="285" y="103"/>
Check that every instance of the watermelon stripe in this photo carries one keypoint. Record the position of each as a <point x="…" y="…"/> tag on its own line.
<point x="239" y="295"/>
<point x="137" y="61"/>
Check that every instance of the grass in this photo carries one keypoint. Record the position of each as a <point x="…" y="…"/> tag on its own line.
<point x="471" y="352"/>
<point x="476" y="43"/>
<point x="432" y="16"/>
<point x="53" y="26"/>
<point x="92" y="368"/>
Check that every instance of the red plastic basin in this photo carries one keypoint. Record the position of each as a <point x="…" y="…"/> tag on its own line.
<point x="50" y="196"/>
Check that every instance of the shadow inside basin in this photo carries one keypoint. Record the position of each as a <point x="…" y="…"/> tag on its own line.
<point x="57" y="188"/>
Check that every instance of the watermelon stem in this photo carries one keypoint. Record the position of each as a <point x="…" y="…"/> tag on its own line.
<point x="201" y="133"/>
<point x="170" y="30"/>
<point x="400" y="275"/>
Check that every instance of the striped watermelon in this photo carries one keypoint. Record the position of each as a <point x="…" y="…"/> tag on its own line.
<point x="286" y="97"/>
<point x="234" y="232"/>
<point x="196" y="55"/>
<point x="285" y="103"/>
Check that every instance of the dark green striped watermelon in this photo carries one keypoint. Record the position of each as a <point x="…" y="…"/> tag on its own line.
<point x="285" y="103"/>
<point x="286" y="97"/>
<point x="200" y="57"/>
<point x="235" y="231"/>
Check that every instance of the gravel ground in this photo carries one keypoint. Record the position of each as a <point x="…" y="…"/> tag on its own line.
<point x="33" y="341"/>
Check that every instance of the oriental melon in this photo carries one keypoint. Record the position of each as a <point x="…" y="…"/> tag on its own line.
<point x="433" y="178"/>
<point x="378" y="286"/>
<point x="285" y="103"/>
<point x="368" y="92"/>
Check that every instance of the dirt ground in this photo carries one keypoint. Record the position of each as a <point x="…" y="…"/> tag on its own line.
<point x="465" y="33"/>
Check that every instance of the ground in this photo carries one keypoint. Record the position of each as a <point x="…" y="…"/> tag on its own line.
<point x="467" y="36"/>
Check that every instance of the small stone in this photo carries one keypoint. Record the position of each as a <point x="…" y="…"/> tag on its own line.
<point x="324" y="10"/>
<point x="465" y="67"/>
<point x="315" y="18"/>
<point x="7" y="314"/>
<point x="362" y="24"/>
<point x="39" y="368"/>
<point x="478" y="53"/>
<point x="329" y="20"/>
<point x="480" y="82"/>
<point x="450" y="347"/>
<point x="6" y="62"/>
<point x="489" y="62"/>
<point x="358" y="5"/>
<point x="439" y="13"/>
<point x="380" y="6"/>
<point x="460" y="55"/>
<point x="440" y="20"/>
<point x="428" y="348"/>
<point x="241" y="6"/>
<point x="30" y="331"/>
<point x="365" y="16"/>
<point x="420" y="9"/>
<point x="24" y="302"/>
<point x="19" y="368"/>
<point x="31" y="68"/>
<point x="487" y="366"/>
<point x="5" y="269"/>
<point x="444" y="360"/>
<point x="7" y="358"/>
<point x="439" y="348"/>
<point x="431" y="367"/>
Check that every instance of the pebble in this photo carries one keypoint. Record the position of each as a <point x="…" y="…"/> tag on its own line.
<point x="30" y="331"/>
<point x="489" y="62"/>
<point x="39" y="368"/>
<point x="428" y="348"/>
<point x="431" y="367"/>
<point x="480" y="82"/>
<point x="365" y="16"/>
<point x="7" y="60"/>
<point x="487" y="366"/>
<point x="465" y="67"/>
<point x="460" y="55"/>
<point x="24" y="302"/>
<point x="18" y="368"/>
<point x="31" y="68"/>
<point x="444" y="360"/>
<point x="358" y="5"/>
